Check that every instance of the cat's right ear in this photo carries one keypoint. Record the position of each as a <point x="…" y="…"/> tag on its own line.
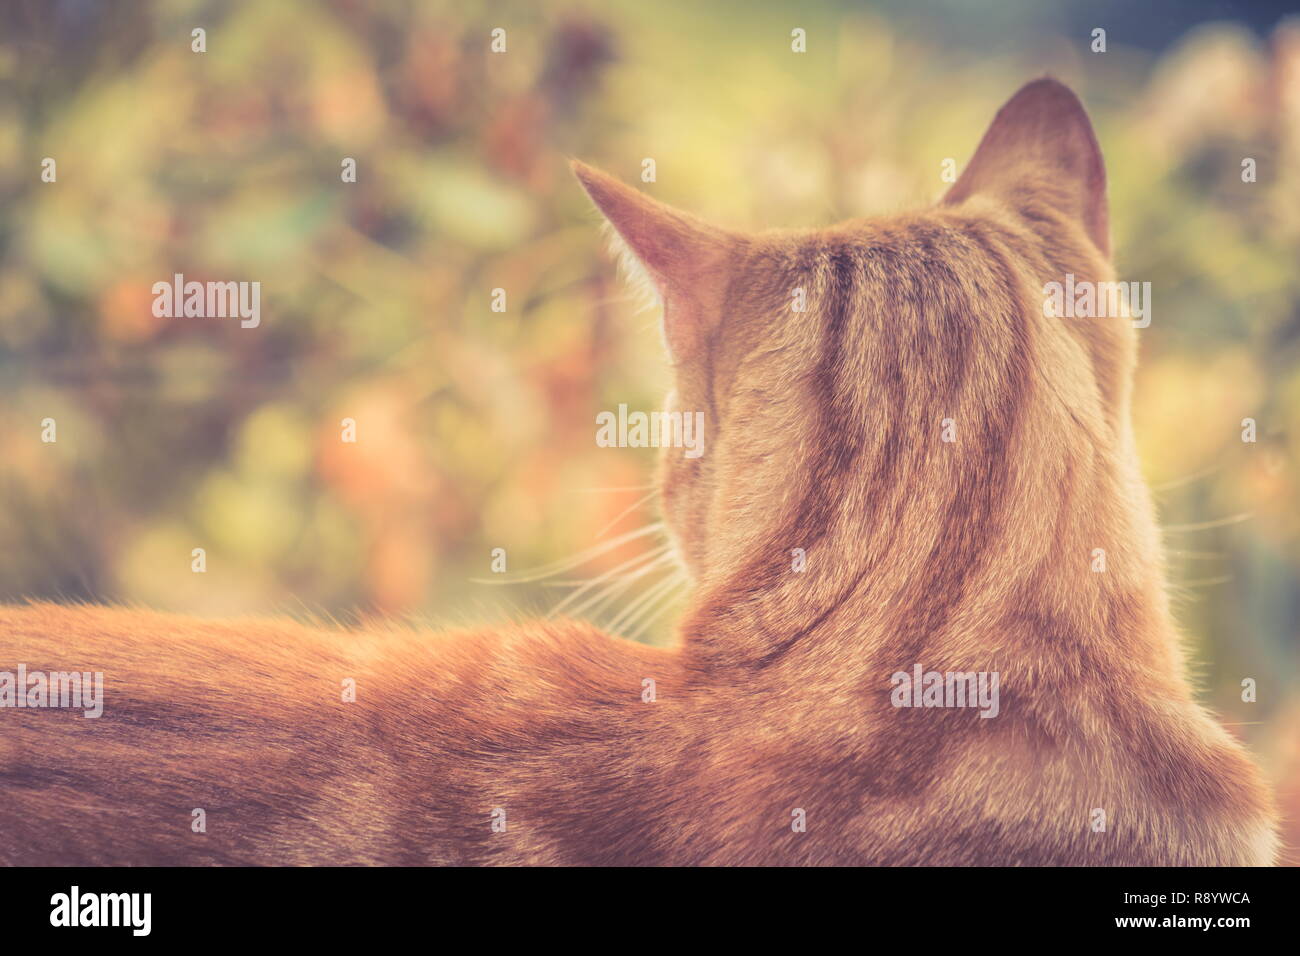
<point x="684" y="258"/>
<point x="1044" y="129"/>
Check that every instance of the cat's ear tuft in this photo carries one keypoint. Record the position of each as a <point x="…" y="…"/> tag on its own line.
<point x="684" y="257"/>
<point x="1043" y="129"/>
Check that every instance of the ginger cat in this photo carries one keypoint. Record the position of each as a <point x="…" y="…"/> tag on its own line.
<point x="947" y="458"/>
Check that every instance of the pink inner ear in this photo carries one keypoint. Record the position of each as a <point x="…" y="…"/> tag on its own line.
<point x="683" y="256"/>
<point x="684" y="328"/>
<point x="1043" y="127"/>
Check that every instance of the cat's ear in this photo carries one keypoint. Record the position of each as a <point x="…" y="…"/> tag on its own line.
<point x="683" y="257"/>
<point x="1043" y="129"/>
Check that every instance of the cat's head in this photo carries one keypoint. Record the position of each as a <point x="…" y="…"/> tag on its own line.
<point x="883" y="372"/>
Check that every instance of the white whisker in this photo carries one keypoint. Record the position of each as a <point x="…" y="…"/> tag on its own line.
<point x="615" y="589"/>
<point x="1187" y="480"/>
<point x="568" y="564"/>
<point x="630" y="613"/>
<point x="649" y="557"/>
<point x="625" y="512"/>
<point x="637" y="627"/>
<point x="1205" y="525"/>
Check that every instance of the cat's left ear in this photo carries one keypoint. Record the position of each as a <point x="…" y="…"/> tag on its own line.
<point x="1045" y="130"/>
<point x="684" y="257"/>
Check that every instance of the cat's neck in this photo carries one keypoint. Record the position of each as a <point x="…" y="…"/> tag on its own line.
<point x="1067" y="547"/>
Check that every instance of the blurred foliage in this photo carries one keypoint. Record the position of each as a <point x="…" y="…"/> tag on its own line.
<point x="475" y="428"/>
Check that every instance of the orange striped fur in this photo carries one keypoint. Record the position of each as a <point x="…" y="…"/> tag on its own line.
<point x="824" y="434"/>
